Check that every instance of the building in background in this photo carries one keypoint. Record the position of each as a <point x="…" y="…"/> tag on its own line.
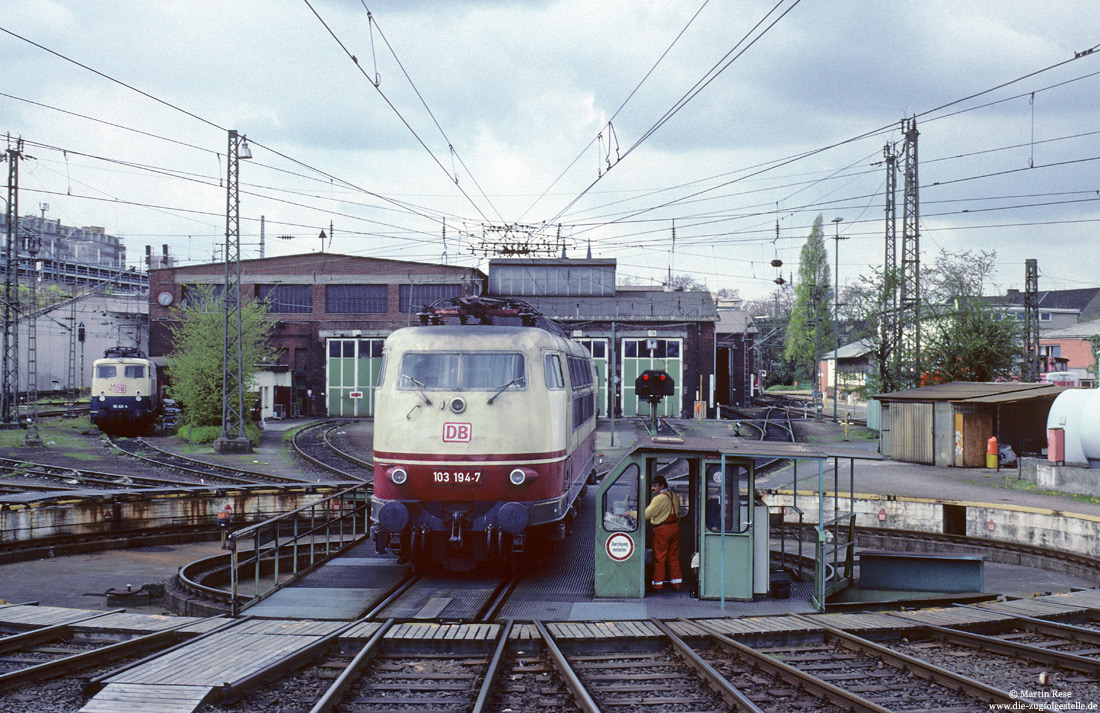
<point x="642" y="327"/>
<point x="332" y="313"/>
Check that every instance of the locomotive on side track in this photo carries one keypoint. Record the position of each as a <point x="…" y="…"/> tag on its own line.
<point x="484" y="435"/>
<point x="125" y="396"/>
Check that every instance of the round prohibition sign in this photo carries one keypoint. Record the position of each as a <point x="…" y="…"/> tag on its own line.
<point x="620" y="547"/>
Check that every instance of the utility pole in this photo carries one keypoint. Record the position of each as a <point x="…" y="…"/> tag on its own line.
<point x="261" y="237"/>
<point x="233" y="438"/>
<point x="1031" y="321"/>
<point x="836" y="320"/>
<point x="31" y="437"/>
<point x="909" y="324"/>
<point x="9" y="388"/>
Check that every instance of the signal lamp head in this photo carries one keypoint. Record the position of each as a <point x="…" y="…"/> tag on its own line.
<point x="399" y="476"/>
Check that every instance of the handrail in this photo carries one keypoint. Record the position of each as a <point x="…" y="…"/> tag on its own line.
<point x="308" y="536"/>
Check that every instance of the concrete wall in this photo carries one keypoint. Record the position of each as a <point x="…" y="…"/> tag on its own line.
<point x="104" y="513"/>
<point x="1031" y="526"/>
<point x="1075" y="479"/>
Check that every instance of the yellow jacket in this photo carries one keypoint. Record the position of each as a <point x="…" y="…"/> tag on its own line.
<point x="661" y="509"/>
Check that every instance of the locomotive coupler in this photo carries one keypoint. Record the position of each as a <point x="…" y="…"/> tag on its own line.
<point x="456" y="529"/>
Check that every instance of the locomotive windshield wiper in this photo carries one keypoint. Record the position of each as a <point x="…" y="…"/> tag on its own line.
<point x="517" y="380"/>
<point x="420" y="388"/>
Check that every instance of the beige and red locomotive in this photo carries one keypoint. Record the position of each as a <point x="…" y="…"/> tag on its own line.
<point x="484" y="436"/>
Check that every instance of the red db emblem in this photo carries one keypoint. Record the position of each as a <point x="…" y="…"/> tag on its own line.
<point x="457" y="432"/>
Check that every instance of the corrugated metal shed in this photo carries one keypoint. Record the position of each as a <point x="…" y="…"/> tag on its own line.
<point x="949" y="424"/>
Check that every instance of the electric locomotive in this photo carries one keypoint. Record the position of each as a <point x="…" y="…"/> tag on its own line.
<point x="484" y="435"/>
<point x="125" y="396"/>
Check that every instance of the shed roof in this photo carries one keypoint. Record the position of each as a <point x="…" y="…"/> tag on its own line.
<point x="974" y="392"/>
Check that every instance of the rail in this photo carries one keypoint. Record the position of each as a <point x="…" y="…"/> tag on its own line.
<point x="305" y="538"/>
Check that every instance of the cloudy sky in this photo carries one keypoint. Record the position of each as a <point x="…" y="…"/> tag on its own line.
<point x="667" y="135"/>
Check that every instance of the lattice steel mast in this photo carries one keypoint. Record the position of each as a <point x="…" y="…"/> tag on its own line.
<point x="890" y="351"/>
<point x="9" y="383"/>
<point x="1031" y="321"/>
<point x="233" y="438"/>
<point x="31" y="437"/>
<point x="909" y="322"/>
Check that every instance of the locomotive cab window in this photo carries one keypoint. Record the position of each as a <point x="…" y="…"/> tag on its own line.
<point x="462" y="371"/>
<point x="106" y="372"/>
<point x="554" y="378"/>
<point x="133" y="371"/>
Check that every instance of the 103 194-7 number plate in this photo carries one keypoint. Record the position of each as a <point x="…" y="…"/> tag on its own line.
<point x="456" y="477"/>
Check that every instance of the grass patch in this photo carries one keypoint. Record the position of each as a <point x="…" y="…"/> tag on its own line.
<point x="209" y="434"/>
<point x="68" y="434"/>
<point x="1009" y="483"/>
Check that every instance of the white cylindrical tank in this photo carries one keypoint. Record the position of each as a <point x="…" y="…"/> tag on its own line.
<point x="1077" y="412"/>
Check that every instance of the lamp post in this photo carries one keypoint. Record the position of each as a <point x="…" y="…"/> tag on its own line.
<point x="836" y="318"/>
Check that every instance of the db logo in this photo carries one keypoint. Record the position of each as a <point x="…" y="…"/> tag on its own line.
<point x="457" y="432"/>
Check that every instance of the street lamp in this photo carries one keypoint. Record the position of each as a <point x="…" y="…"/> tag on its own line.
<point x="836" y="319"/>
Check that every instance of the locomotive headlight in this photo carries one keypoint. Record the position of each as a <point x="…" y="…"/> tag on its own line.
<point x="399" y="476"/>
<point x="102" y="397"/>
<point x="458" y="404"/>
<point x="138" y="397"/>
<point x="517" y="476"/>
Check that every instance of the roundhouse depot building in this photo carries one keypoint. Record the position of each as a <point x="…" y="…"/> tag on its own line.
<point x="646" y="328"/>
<point x="331" y="314"/>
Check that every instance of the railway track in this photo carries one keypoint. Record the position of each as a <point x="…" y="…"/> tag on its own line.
<point x="26" y="476"/>
<point x="315" y="444"/>
<point x="144" y="451"/>
<point x="56" y="651"/>
<point x="643" y="665"/>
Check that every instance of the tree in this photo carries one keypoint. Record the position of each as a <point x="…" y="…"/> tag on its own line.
<point x="811" y="324"/>
<point x="963" y="337"/>
<point x="196" y="361"/>
<point x="968" y="340"/>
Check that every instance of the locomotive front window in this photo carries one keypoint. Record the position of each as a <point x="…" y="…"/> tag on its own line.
<point x="133" y="372"/>
<point x="462" y="371"/>
<point x="106" y="372"/>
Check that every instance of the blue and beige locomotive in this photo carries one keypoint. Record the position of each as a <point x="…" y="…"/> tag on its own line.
<point x="484" y="435"/>
<point x="125" y="396"/>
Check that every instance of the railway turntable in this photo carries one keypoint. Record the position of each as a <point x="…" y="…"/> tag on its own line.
<point x="724" y="520"/>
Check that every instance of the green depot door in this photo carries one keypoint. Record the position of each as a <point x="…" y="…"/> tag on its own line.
<point x="353" y="366"/>
<point x="647" y="354"/>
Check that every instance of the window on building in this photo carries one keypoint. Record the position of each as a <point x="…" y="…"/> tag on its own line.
<point x="349" y="299"/>
<point x="286" y="299"/>
<point x="413" y="297"/>
<point x="206" y="298"/>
